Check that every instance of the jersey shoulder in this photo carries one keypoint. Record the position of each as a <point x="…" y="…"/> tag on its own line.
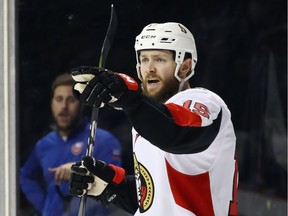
<point x="200" y="95"/>
<point x="49" y="138"/>
<point x="199" y="92"/>
<point x="200" y="99"/>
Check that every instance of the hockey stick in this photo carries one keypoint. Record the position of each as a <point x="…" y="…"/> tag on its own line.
<point x="95" y="110"/>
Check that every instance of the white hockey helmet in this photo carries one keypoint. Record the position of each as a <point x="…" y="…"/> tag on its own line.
<point x="167" y="36"/>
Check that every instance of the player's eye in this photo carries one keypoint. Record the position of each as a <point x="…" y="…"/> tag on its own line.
<point x="143" y="60"/>
<point x="72" y="99"/>
<point x="160" y="60"/>
<point x="58" y="99"/>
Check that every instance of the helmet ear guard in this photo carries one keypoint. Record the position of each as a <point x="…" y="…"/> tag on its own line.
<point x="138" y="65"/>
<point x="167" y="36"/>
<point x="179" y="60"/>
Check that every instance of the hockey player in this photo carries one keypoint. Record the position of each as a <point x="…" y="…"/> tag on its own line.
<point x="44" y="178"/>
<point x="183" y="138"/>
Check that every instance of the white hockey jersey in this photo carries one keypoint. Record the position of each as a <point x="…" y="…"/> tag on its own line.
<point x="199" y="175"/>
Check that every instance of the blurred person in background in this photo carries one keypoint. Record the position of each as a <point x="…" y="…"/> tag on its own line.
<point x="44" y="178"/>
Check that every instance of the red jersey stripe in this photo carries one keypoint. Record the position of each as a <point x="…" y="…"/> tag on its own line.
<point x="183" y="116"/>
<point x="191" y="192"/>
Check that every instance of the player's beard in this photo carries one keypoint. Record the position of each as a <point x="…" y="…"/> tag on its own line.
<point x="169" y="88"/>
<point x="73" y="123"/>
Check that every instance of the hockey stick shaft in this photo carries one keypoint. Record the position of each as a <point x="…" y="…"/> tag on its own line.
<point x="95" y="110"/>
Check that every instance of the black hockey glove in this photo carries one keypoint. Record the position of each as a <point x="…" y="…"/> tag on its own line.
<point x="100" y="180"/>
<point x="97" y="86"/>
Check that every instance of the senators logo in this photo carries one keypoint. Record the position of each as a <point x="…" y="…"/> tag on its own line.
<point x="145" y="186"/>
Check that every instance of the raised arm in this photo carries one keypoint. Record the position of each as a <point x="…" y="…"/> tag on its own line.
<point x="103" y="87"/>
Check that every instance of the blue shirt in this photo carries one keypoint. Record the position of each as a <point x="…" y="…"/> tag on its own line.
<point x="38" y="184"/>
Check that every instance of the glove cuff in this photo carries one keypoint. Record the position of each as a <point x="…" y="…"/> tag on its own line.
<point x="131" y="84"/>
<point x="119" y="174"/>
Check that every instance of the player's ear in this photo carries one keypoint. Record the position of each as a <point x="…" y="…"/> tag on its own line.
<point x="185" y="68"/>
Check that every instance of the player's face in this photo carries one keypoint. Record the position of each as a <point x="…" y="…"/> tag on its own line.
<point x="157" y="70"/>
<point x="65" y="108"/>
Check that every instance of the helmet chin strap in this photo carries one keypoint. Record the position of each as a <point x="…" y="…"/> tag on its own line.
<point x="181" y="80"/>
<point x="181" y="84"/>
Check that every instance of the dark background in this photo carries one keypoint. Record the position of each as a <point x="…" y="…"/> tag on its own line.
<point x="242" y="56"/>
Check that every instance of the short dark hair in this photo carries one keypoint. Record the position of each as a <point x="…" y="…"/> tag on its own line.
<point x="62" y="79"/>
